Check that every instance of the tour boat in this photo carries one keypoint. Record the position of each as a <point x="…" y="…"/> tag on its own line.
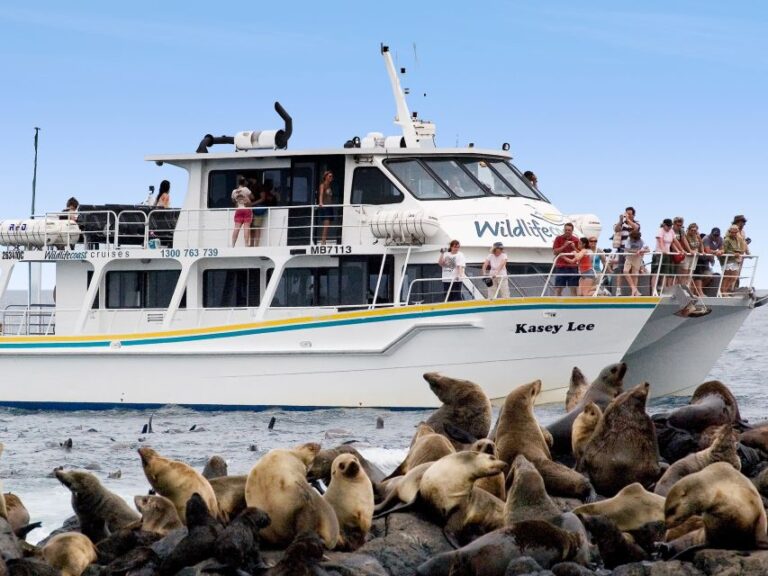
<point x="340" y="305"/>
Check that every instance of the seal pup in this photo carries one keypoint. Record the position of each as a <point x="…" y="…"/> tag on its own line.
<point x="301" y="558"/>
<point x="615" y="547"/>
<point x="631" y="509"/>
<point x="277" y="485"/>
<point x="238" y="544"/>
<point x="490" y="554"/>
<point x="519" y="433"/>
<point x="607" y="386"/>
<point x="158" y="514"/>
<point x="729" y="505"/>
<point x="321" y="465"/>
<point x="350" y="494"/>
<point x="723" y="449"/>
<point x="177" y="481"/>
<point x="623" y="448"/>
<point x="69" y="552"/>
<point x="98" y="510"/>
<point x="712" y="404"/>
<point x="465" y="406"/>
<point x="203" y="529"/>
<point x="426" y="446"/>
<point x="527" y="498"/>
<point x="583" y="428"/>
<point x="494" y="485"/>
<point x="216" y="467"/>
<point x="577" y="387"/>
<point x="230" y="494"/>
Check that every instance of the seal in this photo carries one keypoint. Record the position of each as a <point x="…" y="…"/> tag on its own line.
<point x="614" y="546"/>
<point x="401" y="491"/>
<point x="216" y="467"/>
<point x="301" y="558"/>
<point x="712" y="404"/>
<point x="607" y="386"/>
<point x="623" y="448"/>
<point x="177" y="481"/>
<point x="69" y="552"/>
<point x="98" y="510"/>
<point x="756" y="437"/>
<point x="16" y="514"/>
<point x="577" y="387"/>
<point x="479" y="514"/>
<point x="528" y="498"/>
<point x="465" y="406"/>
<point x="230" y="494"/>
<point x="490" y="554"/>
<point x="729" y="505"/>
<point x="277" y="485"/>
<point x="321" y="465"/>
<point x="494" y="485"/>
<point x="350" y="494"/>
<point x="238" y="544"/>
<point x="724" y="448"/>
<point x="631" y="509"/>
<point x="583" y="428"/>
<point x="426" y="446"/>
<point x="158" y="514"/>
<point x="518" y="432"/>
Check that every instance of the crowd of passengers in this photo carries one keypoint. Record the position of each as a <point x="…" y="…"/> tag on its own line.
<point x="681" y="255"/>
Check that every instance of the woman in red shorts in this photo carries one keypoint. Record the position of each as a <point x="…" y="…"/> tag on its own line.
<point x="242" y="198"/>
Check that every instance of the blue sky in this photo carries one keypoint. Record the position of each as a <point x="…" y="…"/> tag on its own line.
<point x="659" y="105"/>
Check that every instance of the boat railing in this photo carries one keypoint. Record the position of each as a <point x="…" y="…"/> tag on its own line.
<point x="28" y="320"/>
<point x="94" y="228"/>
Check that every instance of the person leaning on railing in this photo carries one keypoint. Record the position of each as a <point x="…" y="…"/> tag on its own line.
<point x="662" y="265"/>
<point x="633" y="262"/>
<point x="693" y="261"/>
<point x="453" y="264"/>
<point x="681" y="249"/>
<point x="495" y="266"/>
<point x="734" y="248"/>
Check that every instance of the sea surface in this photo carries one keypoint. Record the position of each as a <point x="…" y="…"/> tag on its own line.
<point x="105" y="442"/>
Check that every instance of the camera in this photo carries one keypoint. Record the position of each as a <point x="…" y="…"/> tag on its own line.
<point x="442" y="250"/>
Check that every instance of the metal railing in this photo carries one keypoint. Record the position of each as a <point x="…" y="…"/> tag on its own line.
<point x="33" y="320"/>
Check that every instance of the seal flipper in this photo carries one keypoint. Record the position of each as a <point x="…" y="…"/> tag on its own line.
<point x="24" y="530"/>
<point x="396" y="508"/>
<point x="458" y="434"/>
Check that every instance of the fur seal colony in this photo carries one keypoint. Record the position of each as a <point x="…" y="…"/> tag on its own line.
<point x="682" y="489"/>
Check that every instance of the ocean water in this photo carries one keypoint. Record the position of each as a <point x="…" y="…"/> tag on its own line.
<point x="106" y="442"/>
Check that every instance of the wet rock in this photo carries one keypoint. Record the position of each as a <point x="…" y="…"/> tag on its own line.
<point x="71" y="524"/>
<point x="671" y="568"/>
<point x="571" y="569"/>
<point x="410" y="540"/>
<point x="31" y="567"/>
<point x="9" y="544"/>
<point x="523" y="565"/>
<point x="354" y="564"/>
<point x="730" y="562"/>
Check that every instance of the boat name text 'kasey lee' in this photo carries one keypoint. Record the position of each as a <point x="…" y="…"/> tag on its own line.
<point x="523" y="328"/>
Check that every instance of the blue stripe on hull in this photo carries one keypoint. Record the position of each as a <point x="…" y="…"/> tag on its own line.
<point x="141" y="406"/>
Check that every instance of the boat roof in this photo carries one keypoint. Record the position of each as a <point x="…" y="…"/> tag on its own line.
<point x="376" y="151"/>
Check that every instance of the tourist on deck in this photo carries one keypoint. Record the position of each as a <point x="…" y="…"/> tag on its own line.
<point x="626" y="224"/>
<point x="694" y="260"/>
<point x="265" y="199"/>
<point x="531" y="177"/>
<point x="599" y="263"/>
<point x="739" y="221"/>
<point x="712" y="246"/>
<point x="633" y="261"/>
<point x="242" y="198"/>
<point x="734" y="248"/>
<point x="453" y="264"/>
<point x="584" y="260"/>
<point x="164" y="196"/>
<point x="566" y="271"/>
<point x="71" y="209"/>
<point x="680" y="247"/>
<point x="662" y="262"/>
<point x="495" y="266"/>
<point x="324" y="202"/>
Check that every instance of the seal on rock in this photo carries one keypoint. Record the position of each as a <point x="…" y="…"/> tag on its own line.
<point x="527" y="498"/>
<point x="17" y="515"/>
<point x="98" y="510"/>
<point x="321" y="465"/>
<point x="230" y="494"/>
<point x="158" y="514"/>
<point x="216" y="467"/>
<point x="723" y="449"/>
<point x="631" y="509"/>
<point x="350" y="494"/>
<point x="614" y="546"/>
<point x="607" y="386"/>
<point x="583" y="428"/>
<point x="203" y="529"/>
<point x="401" y="491"/>
<point x="577" y="387"/>
<point x="495" y="485"/>
<point x="238" y="544"/>
<point x="518" y="432"/>
<point x="426" y="446"/>
<point x="465" y="405"/>
<point x="479" y="514"/>
<point x="177" y="481"/>
<point x="729" y="505"/>
<point x="277" y="485"/>
<point x="69" y="552"/>
<point x="623" y="448"/>
<point x="712" y="404"/>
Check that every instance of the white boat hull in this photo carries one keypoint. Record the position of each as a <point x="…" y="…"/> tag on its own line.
<point x="363" y="359"/>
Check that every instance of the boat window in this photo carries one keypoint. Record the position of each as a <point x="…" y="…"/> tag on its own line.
<point x="415" y="177"/>
<point x="516" y="180"/>
<point x="141" y="288"/>
<point x="351" y="283"/>
<point x="88" y="278"/>
<point x="371" y="186"/>
<point x="231" y="288"/>
<point x="488" y="177"/>
<point x="222" y="182"/>
<point x="453" y="177"/>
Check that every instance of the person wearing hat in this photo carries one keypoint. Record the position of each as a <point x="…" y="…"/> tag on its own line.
<point x="739" y="220"/>
<point x="495" y="267"/>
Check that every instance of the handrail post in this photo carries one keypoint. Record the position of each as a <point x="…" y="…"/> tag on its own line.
<point x="403" y="270"/>
<point x="378" y="280"/>
<point x="311" y="224"/>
